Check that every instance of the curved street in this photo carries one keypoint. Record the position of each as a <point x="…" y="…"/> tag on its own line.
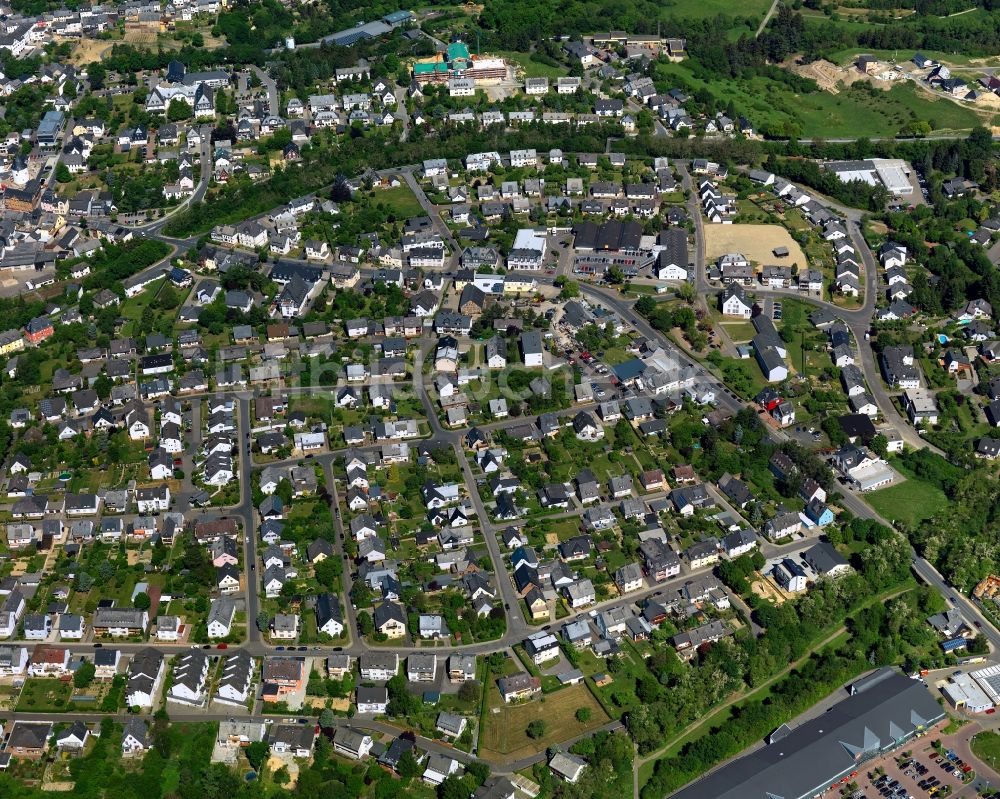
<point x="859" y="321"/>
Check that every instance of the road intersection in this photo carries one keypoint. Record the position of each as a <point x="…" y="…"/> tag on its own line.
<point x="859" y="321"/>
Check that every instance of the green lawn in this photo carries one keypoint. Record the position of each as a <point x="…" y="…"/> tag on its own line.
<point x="401" y="199"/>
<point x="563" y="528"/>
<point x="986" y="746"/>
<point x="704" y="9"/>
<point x="910" y="502"/>
<point x="739" y="331"/>
<point x="850" y="54"/>
<point x="44" y="695"/>
<point x="853" y="112"/>
<point x="532" y="69"/>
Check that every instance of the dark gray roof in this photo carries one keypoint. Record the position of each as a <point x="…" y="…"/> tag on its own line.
<point x="823" y="557"/>
<point x="819" y="752"/>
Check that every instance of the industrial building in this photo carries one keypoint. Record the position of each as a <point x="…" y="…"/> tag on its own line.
<point x="882" y="714"/>
<point x="369" y="30"/>
<point x="893" y="173"/>
<point x="964" y="691"/>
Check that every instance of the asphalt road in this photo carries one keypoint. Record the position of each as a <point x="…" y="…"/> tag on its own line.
<point x="151" y="229"/>
<point x="859" y="320"/>
<point x="272" y="89"/>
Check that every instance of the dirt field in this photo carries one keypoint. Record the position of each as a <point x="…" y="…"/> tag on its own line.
<point x="755" y="241"/>
<point x="140" y="38"/>
<point x="342" y="705"/>
<point x="827" y="74"/>
<point x="766" y="589"/>
<point x="504" y="732"/>
<point x="86" y="51"/>
<point x="274" y="762"/>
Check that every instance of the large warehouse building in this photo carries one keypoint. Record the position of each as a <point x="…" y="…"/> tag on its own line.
<point x="883" y="712"/>
<point x="893" y="173"/>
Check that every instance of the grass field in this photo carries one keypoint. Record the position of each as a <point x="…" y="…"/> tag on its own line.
<point x="401" y="200"/>
<point x="853" y="112"/>
<point x="909" y="502"/>
<point x="532" y="69"/>
<point x="739" y="331"/>
<point x="902" y="57"/>
<point x="504" y="726"/>
<point x="986" y="746"/>
<point x="44" y="695"/>
<point x="703" y="9"/>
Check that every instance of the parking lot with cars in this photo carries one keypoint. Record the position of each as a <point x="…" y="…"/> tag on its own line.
<point x="924" y="774"/>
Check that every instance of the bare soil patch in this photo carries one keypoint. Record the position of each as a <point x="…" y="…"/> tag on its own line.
<point x="756" y="242"/>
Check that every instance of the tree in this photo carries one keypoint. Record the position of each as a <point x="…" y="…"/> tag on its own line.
<point x="879" y="445"/>
<point x="257" y="753"/>
<point x="570" y="289"/>
<point x="262" y="621"/>
<point x="84" y="675"/>
<point x="536" y="729"/>
<point x="168" y="298"/>
<point x="453" y="788"/>
<point x="178" y="110"/>
<point x="407" y="767"/>
<point x="365" y="624"/>
<point x="284" y="491"/>
<point x="469" y="691"/>
<point x="583" y="714"/>
<point x="479" y="771"/>
<point x="327" y="573"/>
<point x="105" y="571"/>
<point x="327" y="718"/>
<point x="142" y="601"/>
<point x="401" y="701"/>
<point x="63" y="174"/>
<point x="102" y="385"/>
<point x="96" y="74"/>
<point x="978" y="645"/>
